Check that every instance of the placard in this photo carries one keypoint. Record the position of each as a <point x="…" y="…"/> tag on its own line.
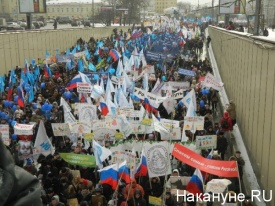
<point x="23" y="129"/>
<point x="193" y="123"/>
<point x="4" y="133"/>
<point x="60" y="129"/>
<point x="83" y="87"/>
<point x="80" y="128"/>
<point x="206" y="142"/>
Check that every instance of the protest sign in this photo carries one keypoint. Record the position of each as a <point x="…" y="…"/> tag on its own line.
<point x="64" y="58"/>
<point x="138" y="128"/>
<point x="60" y="129"/>
<point x="180" y="85"/>
<point x="79" y="54"/>
<point x="174" y="134"/>
<point x="23" y="129"/>
<point x="155" y="201"/>
<point x="170" y="124"/>
<point x="217" y="185"/>
<point x="83" y="87"/>
<point x="80" y="128"/>
<point x="206" y="142"/>
<point x="153" y="99"/>
<point x="4" y="133"/>
<point x="193" y="123"/>
<point x="104" y="134"/>
<point x="124" y="111"/>
<point x="86" y="112"/>
<point x="108" y="123"/>
<point x="187" y="72"/>
<point x="211" y="81"/>
<point x="158" y="159"/>
<point x="79" y="159"/>
<point x="215" y="167"/>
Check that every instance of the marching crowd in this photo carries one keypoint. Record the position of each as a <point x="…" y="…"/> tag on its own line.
<point x="58" y="184"/>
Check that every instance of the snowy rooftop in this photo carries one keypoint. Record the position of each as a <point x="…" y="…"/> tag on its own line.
<point x="72" y="1"/>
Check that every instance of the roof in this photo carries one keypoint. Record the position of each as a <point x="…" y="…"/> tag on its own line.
<point x="72" y="1"/>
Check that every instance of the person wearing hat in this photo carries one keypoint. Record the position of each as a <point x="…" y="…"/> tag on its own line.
<point x="240" y="162"/>
<point x="98" y="199"/>
<point x="131" y="188"/>
<point x="221" y="144"/>
<point x="175" y="173"/>
<point x="137" y="199"/>
<point x="169" y="201"/>
<point x="231" y="109"/>
<point x="55" y="201"/>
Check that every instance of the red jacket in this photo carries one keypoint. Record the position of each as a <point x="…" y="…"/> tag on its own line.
<point x="229" y="122"/>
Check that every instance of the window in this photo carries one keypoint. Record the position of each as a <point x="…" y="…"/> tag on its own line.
<point x="72" y="9"/>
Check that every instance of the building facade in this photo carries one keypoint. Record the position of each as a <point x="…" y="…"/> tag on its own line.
<point x="160" y="5"/>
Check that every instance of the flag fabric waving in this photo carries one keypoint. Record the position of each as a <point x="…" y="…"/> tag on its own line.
<point x="114" y="54"/>
<point x="195" y="185"/>
<point x="103" y="107"/>
<point x="124" y="172"/>
<point x="109" y="175"/>
<point x="21" y="100"/>
<point x="100" y="153"/>
<point x="142" y="169"/>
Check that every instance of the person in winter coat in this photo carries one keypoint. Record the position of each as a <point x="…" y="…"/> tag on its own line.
<point x="17" y="186"/>
<point x="240" y="162"/>
<point x="137" y="199"/>
<point x="84" y="195"/>
<point x="131" y="188"/>
<point x="98" y="199"/>
<point x="226" y="122"/>
<point x="55" y="201"/>
<point x="265" y="33"/>
<point x="221" y="144"/>
<point x="153" y="188"/>
<point x="231" y="109"/>
<point x="169" y="201"/>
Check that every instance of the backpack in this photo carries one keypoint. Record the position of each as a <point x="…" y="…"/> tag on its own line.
<point x="224" y="124"/>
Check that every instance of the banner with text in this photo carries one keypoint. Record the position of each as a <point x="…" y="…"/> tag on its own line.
<point x="206" y="142"/>
<point x="215" y="167"/>
<point x="23" y="129"/>
<point x="79" y="159"/>
<point x="4" y="132"/>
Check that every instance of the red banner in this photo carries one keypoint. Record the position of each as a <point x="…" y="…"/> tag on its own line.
<point x="215" y="167"/>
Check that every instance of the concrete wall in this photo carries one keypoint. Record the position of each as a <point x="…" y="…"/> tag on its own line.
<point x="248" y="72"/>
<point x="17" y="46"/>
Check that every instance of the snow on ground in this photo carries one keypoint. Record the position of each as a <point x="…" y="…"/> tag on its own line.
<point x="249" y="177"/>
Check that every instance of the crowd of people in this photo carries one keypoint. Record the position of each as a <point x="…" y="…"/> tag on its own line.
<point x="58" y="184"/>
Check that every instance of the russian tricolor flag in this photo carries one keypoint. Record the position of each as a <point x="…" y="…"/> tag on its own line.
<point x="195" y="185"/>
<point x="103" y="107"/>
<point x="114" y="54"/>
<point x="20" y="96"/>
<point x="142" y="169"/>
<point x="73" y="83"/>
<point x="148" y="107"/>
<point x="109" y="175"/>
<point x="124" y="172"/>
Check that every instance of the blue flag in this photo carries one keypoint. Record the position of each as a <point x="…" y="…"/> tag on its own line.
<point x="31" y="94"/>
<point x="80" y="65"/>
<point x="91" y="66"/>
<point x="47" y="53"/>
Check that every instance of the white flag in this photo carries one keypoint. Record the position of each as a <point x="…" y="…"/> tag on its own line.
<point x="169" y="104"/>
<point x="69" y="117"/>
<point x="158" y="126"/>
<point x="100" y="153"/>
<point x="102" y="84"/>
<point x="122" y="101"/>
<point x="191" y="111"/>
<point x="42" y="143"/>
<point x="65" y="105"/>
<point x="190" y="97"/>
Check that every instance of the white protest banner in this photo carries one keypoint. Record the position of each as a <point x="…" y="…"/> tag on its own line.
<point x="158" y="159"/>
<point x="126" y="128"/>
<point x="137" y="127"/>
<point x="193" y="123"/>
<point x="134" y="114"/>
<point x="153" y="99"/>
<point x="86" y="112"/>
<point x="125" y="110"/>
<point x="60" y="129"/>
<point x="206" y="142"/>
<point x="83" y="87"/>
<point x="80" y="128"/>
<point x="79" y="54"/>
<point x="117" y="80"/>
<point x="119" y="156"/>
<point x="217" y="185"/>
<point x="4" y="133"/>
<point x="211" y="81"/>
<point x="174" y="134"/>
<point x="178" y="95"/>
<point x="170" y="124"/>
<point x="108" y="123"/>
<point x="23" y="129"/>
<point x="180" y="85"/>
<point x="104" y="134"/>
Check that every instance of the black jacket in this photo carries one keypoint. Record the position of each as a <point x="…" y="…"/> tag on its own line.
<point x="17" y="187"/>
